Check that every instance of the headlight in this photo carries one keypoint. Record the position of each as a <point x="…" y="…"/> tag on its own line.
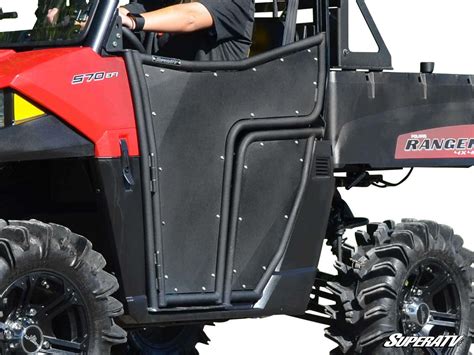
<point x="15" y="109"/>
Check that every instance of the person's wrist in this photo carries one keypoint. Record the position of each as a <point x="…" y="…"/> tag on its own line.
<point x="131" y="23"/>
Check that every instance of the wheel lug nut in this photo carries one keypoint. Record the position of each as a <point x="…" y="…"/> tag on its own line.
<point x="45" y="284"/>
<point x="32" y="312"/>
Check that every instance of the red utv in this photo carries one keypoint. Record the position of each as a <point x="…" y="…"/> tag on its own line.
<point x="211" y="210"/>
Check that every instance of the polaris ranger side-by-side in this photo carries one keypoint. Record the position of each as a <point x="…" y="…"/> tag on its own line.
<point x="162" y="210"/>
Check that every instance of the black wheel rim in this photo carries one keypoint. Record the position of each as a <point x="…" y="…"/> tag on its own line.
<point x="43" y="312"/>
<point x="430" y="302"/>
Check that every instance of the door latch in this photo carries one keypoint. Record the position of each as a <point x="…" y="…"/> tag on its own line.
<point x="128" y="179"/>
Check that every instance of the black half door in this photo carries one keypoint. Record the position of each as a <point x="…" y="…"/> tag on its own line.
<point x="200" y="114"/>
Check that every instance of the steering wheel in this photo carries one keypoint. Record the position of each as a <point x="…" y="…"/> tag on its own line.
<point x="132" y="38"/>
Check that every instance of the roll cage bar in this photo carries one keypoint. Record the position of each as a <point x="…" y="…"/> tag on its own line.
<point x="341" y="56"/>
<point x="330" y="16"/>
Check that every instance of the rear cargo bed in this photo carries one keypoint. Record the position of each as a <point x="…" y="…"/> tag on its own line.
<point x="387" y="120"/>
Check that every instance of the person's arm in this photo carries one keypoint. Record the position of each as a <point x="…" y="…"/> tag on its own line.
<point x="178" y="18"/>
<point x="53" y="12"/>
<point x="52" y="15"/>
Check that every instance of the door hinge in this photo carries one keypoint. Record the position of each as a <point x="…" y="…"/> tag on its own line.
<point x="156" y="256"/>
<point x="153" y="172"/>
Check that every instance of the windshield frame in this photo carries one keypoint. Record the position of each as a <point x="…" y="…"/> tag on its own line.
<point x="80" y="39"/>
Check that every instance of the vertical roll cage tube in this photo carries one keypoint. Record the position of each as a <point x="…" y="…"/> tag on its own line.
<point x="101" y="25"/>
<point x="134" y="62"/>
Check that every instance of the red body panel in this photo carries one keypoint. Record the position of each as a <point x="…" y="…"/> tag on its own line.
<point x="98" y="106"/>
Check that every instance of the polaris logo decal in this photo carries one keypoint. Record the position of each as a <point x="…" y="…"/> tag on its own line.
<point x="32" y="339"/>
<point x="398" y="340"/>
<point x="454" y="142"/>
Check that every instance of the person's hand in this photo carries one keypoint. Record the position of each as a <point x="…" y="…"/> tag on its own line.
<point x="123" y="11"/>
<point x="52" y="16"/>
<point x="126" y="21"/>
